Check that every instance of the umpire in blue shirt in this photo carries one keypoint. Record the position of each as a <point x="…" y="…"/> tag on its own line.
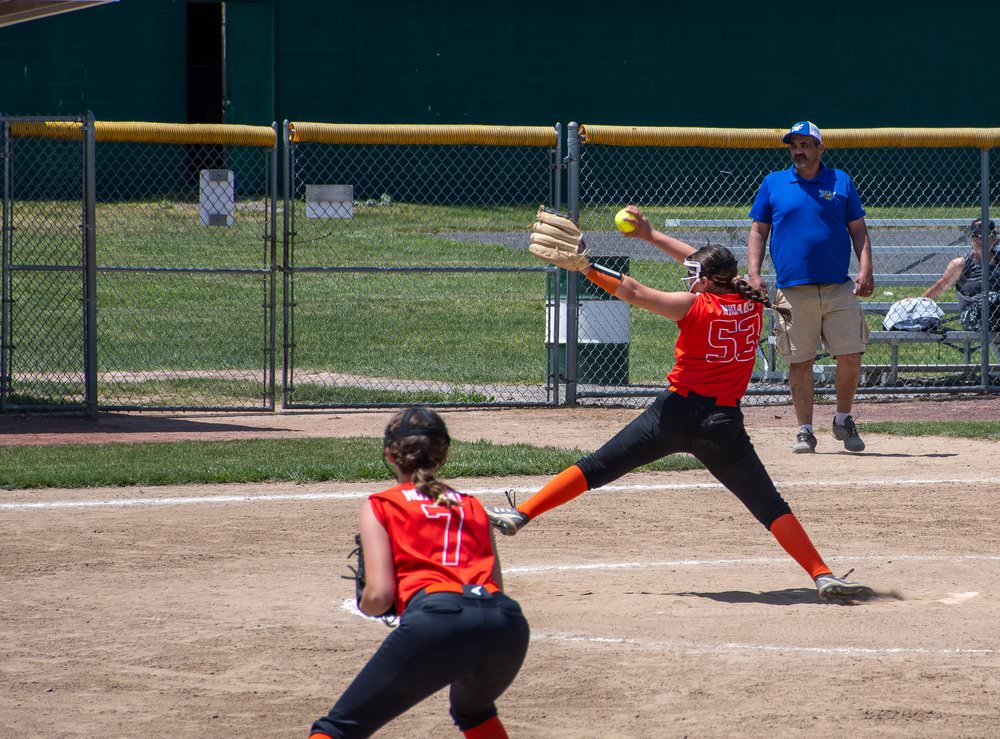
<point x="814" y="217"/>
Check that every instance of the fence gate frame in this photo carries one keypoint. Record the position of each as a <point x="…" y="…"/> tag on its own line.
<point x="65" y="127"/>
<point x="311" y="133"/>
<point x="88" y="132"/>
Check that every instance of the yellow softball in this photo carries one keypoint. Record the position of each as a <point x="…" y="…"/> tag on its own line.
<point x="624" y="225"/>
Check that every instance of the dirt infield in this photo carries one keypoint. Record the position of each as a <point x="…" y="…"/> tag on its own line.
<point x="659" y="608"/>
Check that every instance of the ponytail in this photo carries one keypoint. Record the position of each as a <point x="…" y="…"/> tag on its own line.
<point x="743" y="289"/>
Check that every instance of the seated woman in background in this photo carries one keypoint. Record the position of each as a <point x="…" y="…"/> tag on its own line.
<point x="966" y="275"/>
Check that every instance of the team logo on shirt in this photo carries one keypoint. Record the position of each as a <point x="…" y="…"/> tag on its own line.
<point x="826" y="194"/>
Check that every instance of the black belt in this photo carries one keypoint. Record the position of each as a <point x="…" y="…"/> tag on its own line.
<point x="477" y="592"/>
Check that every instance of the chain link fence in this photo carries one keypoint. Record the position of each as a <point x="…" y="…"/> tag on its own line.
<point x="179" y="280"/>
<point x="921" y="190"/>
<point x="140" y="261"/>
<point x="43" y="347"/>
<point x="407" y="276"/>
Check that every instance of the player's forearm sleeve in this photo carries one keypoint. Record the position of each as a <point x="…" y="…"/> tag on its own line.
<point x="604" y="278"/>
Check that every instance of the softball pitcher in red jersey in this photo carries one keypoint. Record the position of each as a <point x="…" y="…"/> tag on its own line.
<point x="429" y="552"/>
<point x="720" y="319"/>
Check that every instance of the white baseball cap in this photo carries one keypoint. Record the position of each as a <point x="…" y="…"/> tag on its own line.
<point x="803" y="128"/>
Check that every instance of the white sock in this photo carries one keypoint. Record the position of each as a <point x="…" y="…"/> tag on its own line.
<point x="839" y="418"/>
<point x="808" y="427"/>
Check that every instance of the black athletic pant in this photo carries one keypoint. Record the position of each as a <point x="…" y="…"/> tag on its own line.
<point x="474" y="644"/>
<point x="713" y="434"/>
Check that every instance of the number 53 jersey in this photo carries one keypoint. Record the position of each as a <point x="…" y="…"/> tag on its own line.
<point x="434" y="543"/>
<point x="717" y="346"/>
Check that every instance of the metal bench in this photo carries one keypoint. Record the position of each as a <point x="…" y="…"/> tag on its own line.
<point x="900" y="246"/>
<point x="966" y="342"/>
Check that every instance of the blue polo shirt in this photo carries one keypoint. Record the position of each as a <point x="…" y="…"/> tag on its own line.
<point x="810" y="243"/>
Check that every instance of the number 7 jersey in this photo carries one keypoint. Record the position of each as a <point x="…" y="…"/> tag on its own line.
<point x="717" y="346"/>
<point x="433" y="543"/>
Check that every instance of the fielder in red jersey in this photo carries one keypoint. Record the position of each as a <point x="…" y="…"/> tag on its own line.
<point x="429" y="554"/>
<point x="434" y="544"/>
<point x="719" y="317"/>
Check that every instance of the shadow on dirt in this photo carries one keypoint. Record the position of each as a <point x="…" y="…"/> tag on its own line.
<point x="787" y="597"/>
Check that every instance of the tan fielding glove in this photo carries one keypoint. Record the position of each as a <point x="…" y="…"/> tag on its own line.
<point x="557" y="240"/>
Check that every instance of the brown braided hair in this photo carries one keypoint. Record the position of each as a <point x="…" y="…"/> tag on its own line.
<point x="719" y="266"/>
<point x="417" y="442"/>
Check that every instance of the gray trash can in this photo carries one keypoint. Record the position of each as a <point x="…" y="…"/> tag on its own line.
<point x="604" y="331"/>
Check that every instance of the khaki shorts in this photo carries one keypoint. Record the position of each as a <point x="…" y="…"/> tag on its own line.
<point x="828" y="312"/>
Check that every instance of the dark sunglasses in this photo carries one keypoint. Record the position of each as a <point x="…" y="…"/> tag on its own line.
<point x="977" y="231"/>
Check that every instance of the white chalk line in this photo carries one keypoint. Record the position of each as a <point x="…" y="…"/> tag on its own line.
<point x="199" y="500"/>
<point x="682" y="647"/>
<point x="729" y="648"/>
<point x="572" y="566"/>
<point x="130" y="502"/>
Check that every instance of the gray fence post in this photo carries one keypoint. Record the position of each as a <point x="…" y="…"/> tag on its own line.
<point x="554" y="307"/>
<point x="986" y="317"/>
<point x="572" y="299"/>
<point x="557" y="167"/>
<point x="286" y="287"/>
<point x="5" y="269"/>
<point x="90" y="263"/>
<point x="272" y="185"/>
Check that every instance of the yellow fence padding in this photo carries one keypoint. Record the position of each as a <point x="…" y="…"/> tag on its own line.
<point x="149" y="133"/>
<point x="770" y="138"/>
<point x="362" y="133"/>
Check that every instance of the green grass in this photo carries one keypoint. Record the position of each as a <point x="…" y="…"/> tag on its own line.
<point x="351" y="459"/>
<point x="261" y="460"/>
<point x="984" y="430"/>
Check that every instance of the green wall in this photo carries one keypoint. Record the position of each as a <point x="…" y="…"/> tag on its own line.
<point x="724" y="63"/>
<point x="250" y="68"/>
<point x="123" y="61"/>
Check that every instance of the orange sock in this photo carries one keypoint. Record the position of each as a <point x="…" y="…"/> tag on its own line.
<point x="319" y="736"/>
<point x="489" y="729"/>
<point x="794" y="540"/>
<point x="560" y="489"/>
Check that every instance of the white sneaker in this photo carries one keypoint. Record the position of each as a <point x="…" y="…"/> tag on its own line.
<point x="508" y="520"/>
<point x="837" y="590"/>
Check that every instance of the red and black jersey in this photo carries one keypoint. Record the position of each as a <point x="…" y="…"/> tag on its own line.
<point x="717" y="346"/>
<point x="433" y="543"/>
